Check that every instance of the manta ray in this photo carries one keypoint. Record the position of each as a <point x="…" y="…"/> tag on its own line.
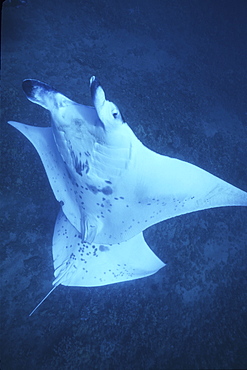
<point x="110" y="188"/>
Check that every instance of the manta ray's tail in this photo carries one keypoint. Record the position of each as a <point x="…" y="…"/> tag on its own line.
<point x="40" y="303"/>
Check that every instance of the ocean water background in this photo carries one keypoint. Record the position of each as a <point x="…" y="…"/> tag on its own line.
<point x="178" y="72"/>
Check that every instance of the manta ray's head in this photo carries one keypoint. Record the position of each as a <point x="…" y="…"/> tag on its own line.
<point x="67" y="115"/>
<point x="44" y="95"/>
<point x="107" y="111"/>
<point x="70" y="120"/>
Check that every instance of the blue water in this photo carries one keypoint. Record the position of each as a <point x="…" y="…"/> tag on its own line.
<point x="177" y="71"/>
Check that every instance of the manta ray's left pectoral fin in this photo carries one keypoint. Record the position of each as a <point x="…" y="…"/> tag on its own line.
<point x="78" y="263"/>
<point x="43" y="140"/>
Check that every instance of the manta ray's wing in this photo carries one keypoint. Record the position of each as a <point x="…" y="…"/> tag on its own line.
<point x="172" y="187"/>
<point x="77" y="263"/>
<point x="43" y="140"/>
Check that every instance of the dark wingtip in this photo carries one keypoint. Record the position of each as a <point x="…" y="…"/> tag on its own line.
<point x="27" y="86"/>
<point x="35" y="88"/>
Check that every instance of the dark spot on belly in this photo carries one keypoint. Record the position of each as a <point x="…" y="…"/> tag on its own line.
<point x="103" y="248"/>
<point x="93" y="189"/>
<point x="107" y="190"/>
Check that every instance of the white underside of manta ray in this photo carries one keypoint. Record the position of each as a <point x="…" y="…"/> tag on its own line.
<point x="111" y="188"/>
